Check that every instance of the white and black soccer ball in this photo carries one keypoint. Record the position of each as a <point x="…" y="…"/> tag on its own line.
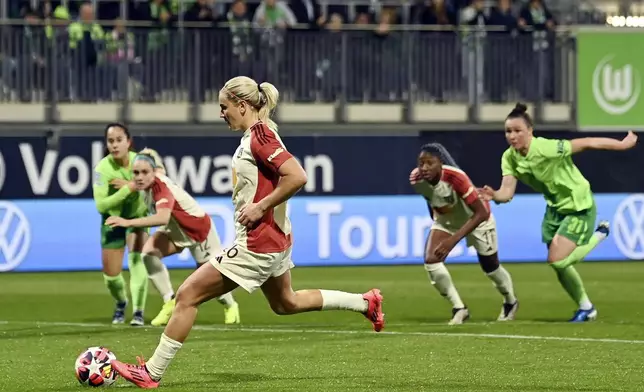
<point x="94" y="367"/>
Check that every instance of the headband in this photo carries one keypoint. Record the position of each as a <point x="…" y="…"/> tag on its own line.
<point x="147" y="158"/>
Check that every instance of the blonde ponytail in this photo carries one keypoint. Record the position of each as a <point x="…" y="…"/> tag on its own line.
<point x="263" y="97"/>
<point x="270" y="96"/>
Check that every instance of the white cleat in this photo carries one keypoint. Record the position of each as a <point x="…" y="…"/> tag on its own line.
<point x="459" y="316"/>
<point x="508" y="311"/>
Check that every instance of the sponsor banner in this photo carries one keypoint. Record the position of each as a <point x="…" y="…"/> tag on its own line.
<point x="609" y="80"/>
<point x="64" y="235"/>
<point x="202" y="165"/>
<point x="335" y="165"/>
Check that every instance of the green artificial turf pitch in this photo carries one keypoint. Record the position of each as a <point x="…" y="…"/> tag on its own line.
<point x="46" y="320"/>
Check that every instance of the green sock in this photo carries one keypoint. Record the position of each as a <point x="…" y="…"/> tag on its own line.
<point x="116" y="286"/>
<point x="580" y="252"/>
<point x="572" y="283"/>
<point x="138" y="281"/>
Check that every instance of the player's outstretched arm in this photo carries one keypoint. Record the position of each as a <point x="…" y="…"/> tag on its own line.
<point x="603" y="143"/>
<point x="504" y="194"/>
<point x="162" y="217"/>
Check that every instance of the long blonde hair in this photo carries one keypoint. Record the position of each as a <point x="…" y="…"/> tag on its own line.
<point x="263" y="97"/>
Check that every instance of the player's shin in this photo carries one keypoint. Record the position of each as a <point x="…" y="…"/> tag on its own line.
<point x="574" y="286"/>
<point x="163" y="355"/>
<point x="340" y="300"/>
<point x="503" y="282"/>
<point x="442" y="280"/>
<point x="116" y="286"/>
<point x="138" y="281"/>
<point x="158" y="273"/>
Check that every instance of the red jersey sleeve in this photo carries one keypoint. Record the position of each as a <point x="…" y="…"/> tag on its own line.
<point x="267" y="149"/>
<point x="461" y="184"/>
<point x="163" y="197"/>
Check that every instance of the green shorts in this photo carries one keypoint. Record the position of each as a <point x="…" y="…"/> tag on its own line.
<point x="114" y="238"/>
<point x="576" y="226"/>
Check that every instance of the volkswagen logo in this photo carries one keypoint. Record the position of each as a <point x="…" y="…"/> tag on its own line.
<point x="15" y="236"/>
<point x="629" y="226"/>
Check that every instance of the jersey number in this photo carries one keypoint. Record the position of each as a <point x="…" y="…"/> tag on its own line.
<point x="231" y="253"/>
<point x="577" y="226"/>
<point x="489" y="237"/>
<point x="203" y="247"/>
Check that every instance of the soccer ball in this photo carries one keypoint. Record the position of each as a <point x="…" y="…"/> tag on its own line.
<point x="94" y="367"/>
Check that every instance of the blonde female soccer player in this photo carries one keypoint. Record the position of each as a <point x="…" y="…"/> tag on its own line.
<point x="568" y="224"/>
<point x="184" y="225"/>
<point x="116" y="195"/>
<point x="265" y="176"/>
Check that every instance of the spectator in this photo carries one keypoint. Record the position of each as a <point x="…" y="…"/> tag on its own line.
<point x="540" y="56"/>
<point x="156" y="48"/>
<point x="241" y="33"/>
<point x="122" y="61"/>
<point x="201" y="11"/>
<point x="475" y="14"/>
<point x="433" y="12"/>
<point x="502" y="15"/>
<point x="308" y="12"/>
<point x="274" y="13"/>
<point x="273" y="17"/>
<point x="86" y="42"/>
<point x="536" y="15"/>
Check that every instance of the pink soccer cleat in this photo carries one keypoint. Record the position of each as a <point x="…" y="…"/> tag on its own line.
<point x="137" y="375"/>
<point x="374" y="311"/>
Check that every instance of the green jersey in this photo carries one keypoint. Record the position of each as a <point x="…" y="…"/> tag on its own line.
<point x="548" y="169"/>
<point x="116" y="202"/>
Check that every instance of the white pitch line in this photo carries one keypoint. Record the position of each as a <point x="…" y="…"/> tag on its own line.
<point x="345" y="332"/>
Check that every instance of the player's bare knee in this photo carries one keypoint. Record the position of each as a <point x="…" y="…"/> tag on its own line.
<point x="185" y="297"/>
<point x="149" y="249"/>
<point x="284" y="306"/>
<point x="431" y="259"/>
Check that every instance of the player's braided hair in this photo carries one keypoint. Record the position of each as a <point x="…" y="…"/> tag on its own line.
<point x="439" y="151"/>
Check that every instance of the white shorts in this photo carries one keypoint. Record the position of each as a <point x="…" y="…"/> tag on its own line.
<point x="208" y="249"/>
<point x="201" y="251"/>
<point x="483" y="238"/>
<point x="249" y="269"/>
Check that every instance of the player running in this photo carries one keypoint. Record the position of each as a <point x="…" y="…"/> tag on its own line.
<point x="458" y="213"/>
<point x="115" y="195"/>
<point x="546" y="166"/>
<point x="184" y="225"/>
<point x="265" y="176"/>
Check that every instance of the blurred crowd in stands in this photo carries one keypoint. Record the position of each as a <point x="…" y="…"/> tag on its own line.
<point x="312" y="49"/>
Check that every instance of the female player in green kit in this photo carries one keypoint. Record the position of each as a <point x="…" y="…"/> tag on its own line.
<point x="115" y="195"/>
<point x="546" y="166"/>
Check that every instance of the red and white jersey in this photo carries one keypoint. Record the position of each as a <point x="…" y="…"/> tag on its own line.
<point x="451" y="198"/>
<point x="189" y="224"/>
<point x="255" y="175"/>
